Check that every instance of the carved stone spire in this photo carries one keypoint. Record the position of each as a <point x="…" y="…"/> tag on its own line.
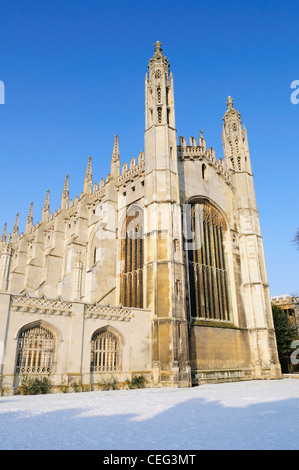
<point x="202" y="142"/>
<point x="158" y="48"/>
<point x="16" y="225"/>
<point x="159" y="94"/>
<point x="65" y="193"/>
<point x="231" y="111"/>
<point x="234" y="138"/>
<point x="88" y="177"/>
<point x="115" y="153"/>
<point x="159" y="57"/>
<point x="46" y="208"/>
<point x="29" y="221"/>
<point x="115" y="160"/>
<point x="3" y="237"/>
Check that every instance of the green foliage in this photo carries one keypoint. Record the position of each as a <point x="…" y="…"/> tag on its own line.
<point x="285" y="331"/>
<point x="80" y="388"/>
<point x="111" y="384"/>
<point x="35" y="386"/>
<point x="76" y="387"/>
<point x="136" y="382"/>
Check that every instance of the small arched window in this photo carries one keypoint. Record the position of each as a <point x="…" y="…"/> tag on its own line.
<point x="203" y="171"/>
<point x="104" y="352"/>
<point x="208" y="275"/>
<point x="35" y="350"/>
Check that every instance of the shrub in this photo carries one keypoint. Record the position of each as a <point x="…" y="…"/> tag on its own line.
<point x="136" y="382"/>
<point x="35" y="386"/>
<point x="111" y="384"/>
<point x="76" y="387"/>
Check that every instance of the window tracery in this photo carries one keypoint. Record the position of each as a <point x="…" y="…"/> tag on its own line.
<point x="104" y="352"/>
<point x="35" y="351"/>
<point x="208" y="275"/>
<point x="132" y="259"/>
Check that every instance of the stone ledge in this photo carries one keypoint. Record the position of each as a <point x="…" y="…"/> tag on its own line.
<point x="216" y="324"/>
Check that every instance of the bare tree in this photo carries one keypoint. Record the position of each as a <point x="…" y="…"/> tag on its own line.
<point x="296" y="238"/>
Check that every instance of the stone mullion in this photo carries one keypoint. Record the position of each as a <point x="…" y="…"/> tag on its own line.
<point x="214" y="270"/>
<point x="195" y="262"/>
<point x="203" y="269"/>
<point x="199" y="242"/>
<point x="220" y="273"/>
<point x="218" y="270"/>
<point x="226" y="305"/>
<point x="134" y="267"/>
<point x="211" y="268"/>
<point x="224" y="281"/>
<point x="208" y="268"/>
<point x="205" y="273"/>
<point x="191" y="267"/>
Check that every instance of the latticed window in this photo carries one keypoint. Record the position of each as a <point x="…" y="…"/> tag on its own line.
<point x="104" y="352"/>
<point x="159" y="111"/>
<point x="35" y="351"/>
<point x="132" y="259"/>
<point x="207" y="268"/>
<point x="159" y="97"/>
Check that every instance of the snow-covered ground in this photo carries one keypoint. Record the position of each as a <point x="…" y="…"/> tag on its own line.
<point x="243" y="415"/>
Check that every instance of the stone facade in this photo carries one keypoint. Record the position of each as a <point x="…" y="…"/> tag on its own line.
<point x="290" y="305"/>
<point x="158" y="270"/>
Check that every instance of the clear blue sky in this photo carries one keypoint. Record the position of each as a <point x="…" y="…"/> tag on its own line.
<point x="74" y="77"/>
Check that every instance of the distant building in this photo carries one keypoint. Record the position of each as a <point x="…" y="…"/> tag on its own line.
<point x="158" y="270"/>
<point x="290" y="305"/>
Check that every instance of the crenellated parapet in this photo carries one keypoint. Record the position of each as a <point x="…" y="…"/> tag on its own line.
<point x="98" y="194"/>
<point x="133" y="172"/>
<point x="197" y="151"/>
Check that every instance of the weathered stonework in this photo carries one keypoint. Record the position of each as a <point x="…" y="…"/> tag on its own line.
<point x="158" y="270"/>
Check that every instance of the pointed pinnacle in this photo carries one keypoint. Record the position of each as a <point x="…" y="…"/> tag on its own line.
<point x="30" y="217"/>
<point x="115" y="153"/>
<point x="230" y="102"/>
<point x="16" y="225"/>
<point x="65" y="192"/>
<point x="46" y="207"/>
<point x="3" y="238"/>
<point x="88" y="174"/>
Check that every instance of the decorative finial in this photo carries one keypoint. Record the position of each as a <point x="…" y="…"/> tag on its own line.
<point x="231" y="110"/>
<point x="158" y="48"/>
<point x="229" y="102"/>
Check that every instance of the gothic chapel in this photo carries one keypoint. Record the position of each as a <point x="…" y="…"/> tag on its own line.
<point x="158" y="270"/>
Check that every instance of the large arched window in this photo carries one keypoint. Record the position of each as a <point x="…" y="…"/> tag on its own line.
<point x="105" y="352"/>
<point x="35" y="350"/>
<point x="208" y="276"/>
<point x="132" y="254"/>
